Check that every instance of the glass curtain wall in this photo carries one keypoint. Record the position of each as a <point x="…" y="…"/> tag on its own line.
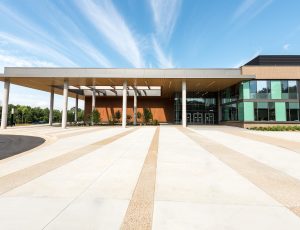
<point x="201" y="108"/>
<point x="262" y="101"/>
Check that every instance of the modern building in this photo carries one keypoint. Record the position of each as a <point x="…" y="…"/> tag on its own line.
<point x="262" y="92"/>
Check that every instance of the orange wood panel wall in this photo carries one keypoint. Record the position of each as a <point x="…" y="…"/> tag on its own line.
<point x="162" y="108"/>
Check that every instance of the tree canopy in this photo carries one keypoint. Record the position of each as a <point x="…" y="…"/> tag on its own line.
<point x="25" y="114"/>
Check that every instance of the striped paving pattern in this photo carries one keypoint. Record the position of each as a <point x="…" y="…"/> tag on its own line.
<point x="21" y="177"/>
<point x="284" y="143"/>
<point x="165" y="177"/>
<point x="140" y="209"/>
<point x="282" y="187"/>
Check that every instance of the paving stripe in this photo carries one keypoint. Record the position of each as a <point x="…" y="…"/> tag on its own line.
<point x="79" y="132"/>
<point x="23" y="176"/>
<point x="139" y="213"/>
<point x="290" y="145"/>
<point x="280" y="186"/>
<point x="50" y="139"/>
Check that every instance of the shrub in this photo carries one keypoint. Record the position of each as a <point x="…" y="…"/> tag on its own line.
<point x="147" y="115"/>
<point x="277" y="128"/>
<point x="95" y="117"/>
<point x="138" y="115"/>
<point x="155" y="122"/>
<point x="118" y="115"/>
<point x="128" y="118"/>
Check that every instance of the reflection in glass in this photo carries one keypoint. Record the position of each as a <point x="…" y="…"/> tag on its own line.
<point x="292" y="89"/>
<point x="292" y="111"/>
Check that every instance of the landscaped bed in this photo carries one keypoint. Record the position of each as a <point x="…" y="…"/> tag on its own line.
<point x="276" y="128"/>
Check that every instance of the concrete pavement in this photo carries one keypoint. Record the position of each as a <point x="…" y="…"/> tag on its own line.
<point x="151" y="178"/>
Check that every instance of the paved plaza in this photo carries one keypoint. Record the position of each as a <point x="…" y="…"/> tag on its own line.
<point x="159" y="177"/>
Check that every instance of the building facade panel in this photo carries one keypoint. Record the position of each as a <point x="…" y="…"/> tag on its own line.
<point x="161" y="108"/>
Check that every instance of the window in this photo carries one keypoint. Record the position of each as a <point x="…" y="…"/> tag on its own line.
<point x="253" y="89"/>
<point x="292" y="111"/>
<point x="292" y="89"/>
<point x="260" y="89"/>
<point x="263" y="89"/>
<point x="261" y="111"/>
<point x="264" y="111"/>
<point x="289" y="89"/>
<point x="230" y="112"/>
<point x="272" y="116"/>
<point x="284" y="90"/>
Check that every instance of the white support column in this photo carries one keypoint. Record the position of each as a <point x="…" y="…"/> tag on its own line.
<point x="93" y="104"/>
<point x="65" y="104"/>
<point x="184" y="103"/>
<point x="51" y="106"/>
<point x="134" y="107"/>
<point x="5" y="104"/>
<point x="124" y="104"/>
<point x="76" y="109"/>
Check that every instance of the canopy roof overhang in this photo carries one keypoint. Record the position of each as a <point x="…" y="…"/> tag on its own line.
<point x="202" y="80"/>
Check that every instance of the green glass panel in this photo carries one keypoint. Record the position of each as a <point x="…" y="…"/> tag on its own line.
<point x="262" y="105"/>
<point x="248" y="111"/>
<point x="241" y="111"/>
<point x="241" y="96"/>
<point x="246" y="90"/>
<point x="276" y="89"/>
<point x="293" y="105"/>
<point x="280" y="111"/>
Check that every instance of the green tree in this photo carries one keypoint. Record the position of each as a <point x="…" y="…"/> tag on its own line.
<point x="80" y="115"/>
<point x="56" y="116"/>
<point x="118" y="115"/>
<point x="96" y="116"/>
<point x="147" y="115"/>
<point x="138" y="116"/>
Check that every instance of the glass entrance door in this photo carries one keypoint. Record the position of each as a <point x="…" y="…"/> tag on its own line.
<point x="209" y="118"/>
<point x="188" y="118"/>
<point x="197" y="118"/>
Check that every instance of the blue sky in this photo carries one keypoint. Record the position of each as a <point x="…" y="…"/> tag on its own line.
<point x="136" y="33"/>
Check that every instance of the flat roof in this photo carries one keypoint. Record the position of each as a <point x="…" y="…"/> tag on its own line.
<point x="275" y="60"/>
<point x="121" y="72"/>
<point x="201" y="79"/>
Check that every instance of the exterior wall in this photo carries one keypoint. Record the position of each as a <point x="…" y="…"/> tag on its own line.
<point x="161" y="108"/>
<point x="272" y="72"/>
<point x="256" y="124"/>
<point x="264" y="101"/>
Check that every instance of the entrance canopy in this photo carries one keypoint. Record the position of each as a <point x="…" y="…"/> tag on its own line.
<point x="107" y="81"/>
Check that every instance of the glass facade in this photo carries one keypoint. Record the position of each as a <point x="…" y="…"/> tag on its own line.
<point x="248" y="101"/>
<point x="201" y="108"/>
<point x="262" y="101"/>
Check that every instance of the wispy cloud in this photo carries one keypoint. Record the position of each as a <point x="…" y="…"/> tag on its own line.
<point x="247" y="59"/>
<point x="105" y="17"/>
<point x="163" y="60"/>
<point x="165" y="14"/>
<point x="249" y="9"/>
<point x="91" y="51"/>
<point x="74" y="34"/>
<point x="286" y="46"/>
<point x="243" y="8"/>
<point x="28" y="46"/>
<point x="7" y="60"/>
<point x="30" y="27"/>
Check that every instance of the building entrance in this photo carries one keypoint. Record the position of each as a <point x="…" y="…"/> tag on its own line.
<point x="201" y="108"/>
<point x="198" y="118"/>
<point x="209" y="118"/>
